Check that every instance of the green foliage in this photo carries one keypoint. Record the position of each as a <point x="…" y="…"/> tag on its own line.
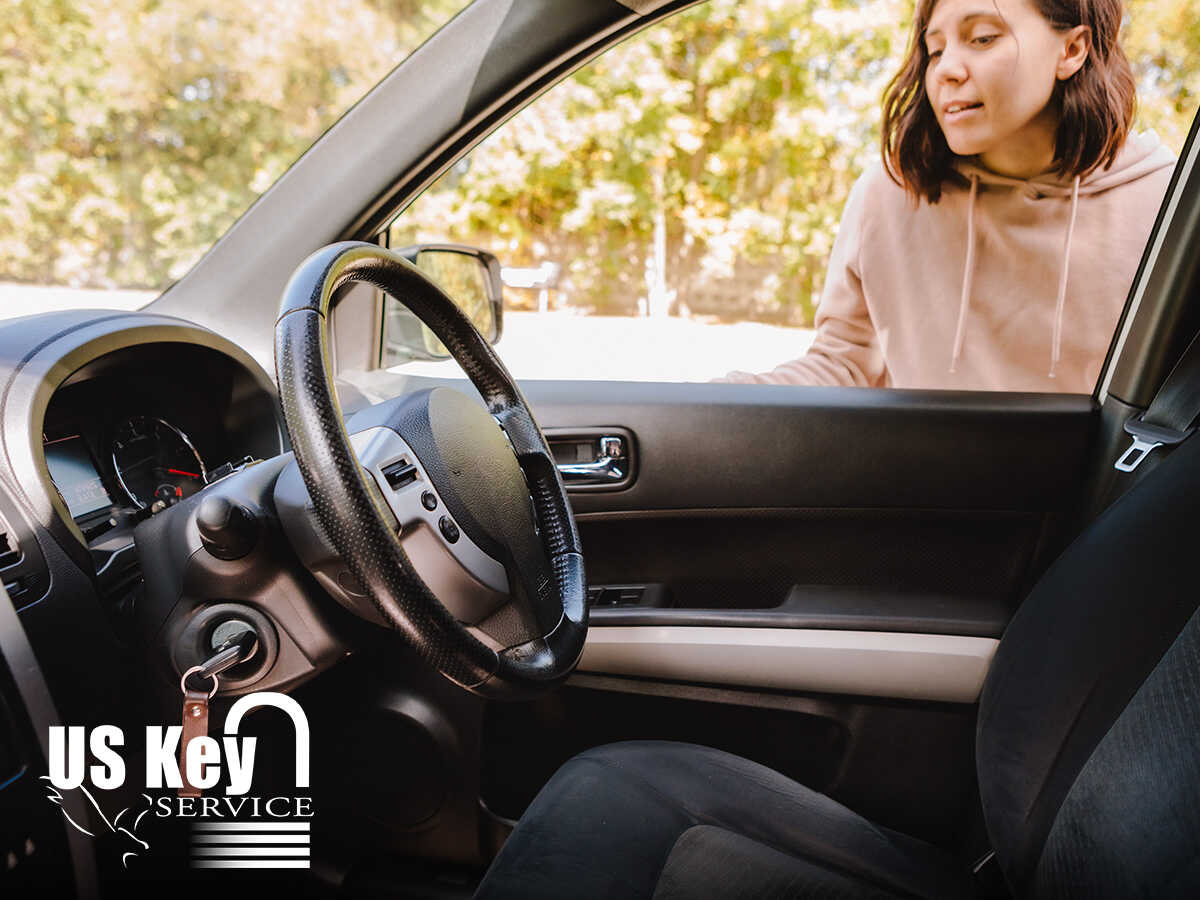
<point x="744" y="123"/>
<point x="136" y="131"/>
<point x="1162" y="41"/>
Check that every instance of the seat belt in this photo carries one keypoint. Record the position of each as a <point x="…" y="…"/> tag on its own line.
<point x="1171" y="416"/>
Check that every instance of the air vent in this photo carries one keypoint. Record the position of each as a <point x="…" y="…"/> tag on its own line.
<point x="22" y="569"/>
<point x="10" y="553"/>
<point x="400" y="473"/>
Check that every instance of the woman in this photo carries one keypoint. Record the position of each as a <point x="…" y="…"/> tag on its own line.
<point x="1010" y="183"/>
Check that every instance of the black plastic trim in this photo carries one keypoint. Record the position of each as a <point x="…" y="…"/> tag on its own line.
<point x="828" y="447"/>
<point x="16" y="651"/>
<point x="837" y="609"/>
<point x="1167" y="316"/>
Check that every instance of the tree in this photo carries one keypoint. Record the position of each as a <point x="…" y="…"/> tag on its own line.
<point x="142" y="129"/>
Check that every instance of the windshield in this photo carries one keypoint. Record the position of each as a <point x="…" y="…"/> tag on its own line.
<point x="136" y="132"/>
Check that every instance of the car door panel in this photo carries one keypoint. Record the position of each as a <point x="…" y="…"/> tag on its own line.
<point x="838" y="515"/>
<point x="786" y="507"/>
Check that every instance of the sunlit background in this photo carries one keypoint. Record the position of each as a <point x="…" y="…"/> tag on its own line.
<point x="696" y="173"/>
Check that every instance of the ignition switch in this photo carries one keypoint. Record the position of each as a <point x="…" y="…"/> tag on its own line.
<point x="230" y="631"/>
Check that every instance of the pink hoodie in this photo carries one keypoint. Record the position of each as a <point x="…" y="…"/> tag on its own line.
<point x="1006" y="285"/>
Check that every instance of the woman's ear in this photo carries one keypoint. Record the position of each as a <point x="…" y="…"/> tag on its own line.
<point x="1077" y="43"/>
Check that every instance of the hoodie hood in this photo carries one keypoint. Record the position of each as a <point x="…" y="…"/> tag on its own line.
<point x="1141" y="155"/>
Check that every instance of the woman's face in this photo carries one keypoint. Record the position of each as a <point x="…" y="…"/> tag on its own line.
<point x="992" y="69"/>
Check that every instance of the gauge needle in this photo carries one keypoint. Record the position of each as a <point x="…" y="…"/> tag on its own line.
<point x="181" y="472"/>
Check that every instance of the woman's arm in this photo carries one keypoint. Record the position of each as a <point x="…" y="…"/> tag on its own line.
<point x="846" y="350"/>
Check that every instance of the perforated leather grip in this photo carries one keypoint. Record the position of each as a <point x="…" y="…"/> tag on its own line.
<point x="344" y="504"/>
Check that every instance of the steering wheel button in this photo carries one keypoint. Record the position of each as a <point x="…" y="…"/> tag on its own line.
<point x="428" y="500"/>
<point x="449" y="529"/>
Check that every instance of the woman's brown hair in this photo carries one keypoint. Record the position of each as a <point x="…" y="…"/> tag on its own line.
<point x="1096" y="103"/>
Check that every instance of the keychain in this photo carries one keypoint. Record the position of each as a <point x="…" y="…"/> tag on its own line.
<point x="195" y="698"/>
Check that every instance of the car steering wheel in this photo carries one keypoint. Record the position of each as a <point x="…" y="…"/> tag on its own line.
<point x="483" y="476"/>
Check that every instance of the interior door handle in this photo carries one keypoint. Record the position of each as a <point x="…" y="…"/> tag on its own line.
<point x="608" y="467"/>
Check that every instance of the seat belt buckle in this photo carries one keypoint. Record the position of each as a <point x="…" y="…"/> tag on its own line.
<point x="1147" y="438"/>
<point x="989" y="879"/>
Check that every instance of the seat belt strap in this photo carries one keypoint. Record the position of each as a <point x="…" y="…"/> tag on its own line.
<point x="1171" y="416"/>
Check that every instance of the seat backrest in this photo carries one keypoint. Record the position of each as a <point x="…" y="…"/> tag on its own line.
<point x="1088" y="745"/>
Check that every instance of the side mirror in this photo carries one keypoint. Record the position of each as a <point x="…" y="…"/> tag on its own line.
<point x="472" y="279"/>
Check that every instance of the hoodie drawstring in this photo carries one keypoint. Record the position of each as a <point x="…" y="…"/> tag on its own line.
<point x="1062" y="281"/>
<point x="964" y="301"/>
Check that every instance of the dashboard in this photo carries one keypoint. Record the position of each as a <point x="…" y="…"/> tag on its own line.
<point x="141" y="429"/>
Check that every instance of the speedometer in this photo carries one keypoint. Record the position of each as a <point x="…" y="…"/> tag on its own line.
<point x="156" y="463"/>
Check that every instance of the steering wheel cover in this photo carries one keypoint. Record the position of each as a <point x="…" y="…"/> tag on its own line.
<point x="355" y="522"/>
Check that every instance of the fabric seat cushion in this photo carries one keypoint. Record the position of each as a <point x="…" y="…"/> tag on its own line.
<point x="627" y="820"/>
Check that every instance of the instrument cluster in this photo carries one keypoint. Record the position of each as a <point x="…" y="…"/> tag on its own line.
<point x="139" y="431"/>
